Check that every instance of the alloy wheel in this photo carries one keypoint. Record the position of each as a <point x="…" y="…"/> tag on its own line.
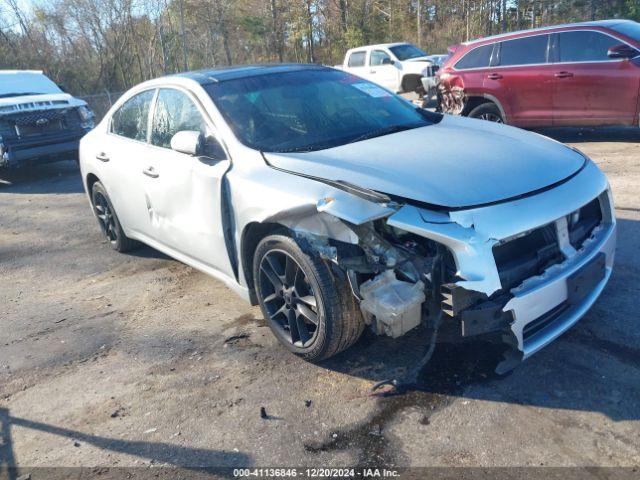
<point x="289" y="299"/>
<point x="105" y="217"/>
<point x="491" y="117"/>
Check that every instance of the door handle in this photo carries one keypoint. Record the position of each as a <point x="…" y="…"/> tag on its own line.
<point x="494" y="76"/>
<point x="150" y="172"/>
<point x="563" y="74"/>
<point x="102" y="157"/>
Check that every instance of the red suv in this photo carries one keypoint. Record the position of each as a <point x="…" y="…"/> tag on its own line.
<point x="578" y="74"/>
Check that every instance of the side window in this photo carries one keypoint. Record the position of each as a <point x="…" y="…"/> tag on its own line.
<point x="377" y="57"/>
<point x="174" y="112"/>
<point x="583" y="46"/>
<point x="524" y="51"/>
<point x="479" y="57"/>
<point x="131" y="119"/>
<point x="356" y="59"/>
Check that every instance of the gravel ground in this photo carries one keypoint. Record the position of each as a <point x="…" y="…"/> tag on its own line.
<point x="135" y="360"/>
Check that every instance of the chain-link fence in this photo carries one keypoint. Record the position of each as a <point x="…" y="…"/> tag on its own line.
<point x="100" y="103"/>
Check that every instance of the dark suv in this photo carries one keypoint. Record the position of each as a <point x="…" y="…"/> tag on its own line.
<point x="579" y="74"/>
<point x="38" y="122"/>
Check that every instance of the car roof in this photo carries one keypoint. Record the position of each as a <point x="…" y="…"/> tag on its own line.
<point x="381" y="45"/>
<point x="215" y="75"/>
<point x="13" y="72"/>
<point x="596" y="23"/>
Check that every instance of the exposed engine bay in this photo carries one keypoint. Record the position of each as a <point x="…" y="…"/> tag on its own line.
<point x="458" y="272"/>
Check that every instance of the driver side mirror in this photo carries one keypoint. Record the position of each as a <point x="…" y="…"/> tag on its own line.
<point x="196" y="144"/>
<point x="622" y="51"/>
<point x="387" y="61"/>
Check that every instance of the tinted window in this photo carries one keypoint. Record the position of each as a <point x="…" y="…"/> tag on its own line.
<point x="584" y="46"/>
<point x="524" y="51"/>
<point x="630" y="29"/>
<point x="477" y="58"/>
<point x="311" y="109"/>
<point x="407" y="51"/>
<point x="377" y="56"/>
<point x="130" y="120"/>
<point x="356" y="59"/>
<point x="174" y="112"/>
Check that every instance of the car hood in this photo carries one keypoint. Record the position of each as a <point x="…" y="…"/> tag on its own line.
<point x="456" y="163"/>
<point x="38" y="102"/>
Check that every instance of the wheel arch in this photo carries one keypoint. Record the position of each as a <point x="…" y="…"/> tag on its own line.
<point x="474" y="101"/>
<point x="251" y="236"/>
<point x="410" y="82"/>
<point x="90" y="181"/>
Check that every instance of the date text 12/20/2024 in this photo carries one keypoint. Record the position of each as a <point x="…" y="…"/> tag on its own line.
<point x="315" y="473"/>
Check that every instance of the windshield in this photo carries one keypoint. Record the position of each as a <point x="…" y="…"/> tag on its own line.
<point x="311" y="109"/>
<point x="630" y="29"/>
<point x="438" y="59"/>
<point x="17" y="83"/>
<point x="407" y="51"/>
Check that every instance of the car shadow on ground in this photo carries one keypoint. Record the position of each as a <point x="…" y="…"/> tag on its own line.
<point x="595" y="134"/>
<point x="148" y="252"/>
<point x="589" y="368"/>
<point x="161" y="453"/>
<point x="51" y="178"/>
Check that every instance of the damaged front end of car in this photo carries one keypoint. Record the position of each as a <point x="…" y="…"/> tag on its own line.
<point x="518" y="272"/>
<point x="41" y="131"/>
<point x="451" y="94"/>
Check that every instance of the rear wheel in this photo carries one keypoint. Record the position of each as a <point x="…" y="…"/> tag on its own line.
<point x="108" y="220"/>
<point x="310" y="311"/>
<point x="487" y="111"/>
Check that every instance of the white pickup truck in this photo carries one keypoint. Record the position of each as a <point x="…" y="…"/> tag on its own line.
<point x="400" y="67"/>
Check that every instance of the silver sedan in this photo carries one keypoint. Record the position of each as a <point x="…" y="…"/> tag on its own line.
<point x="338" y="206"/>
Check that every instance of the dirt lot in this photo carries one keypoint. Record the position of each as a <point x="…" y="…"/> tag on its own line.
<point x="132" y="360"/>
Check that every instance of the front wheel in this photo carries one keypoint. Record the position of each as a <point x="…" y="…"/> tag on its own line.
<point x="311" y="311"/>
<point x="487" y="111"/>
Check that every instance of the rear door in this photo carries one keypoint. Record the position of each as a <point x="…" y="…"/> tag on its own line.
<point x="183" y="192"/>
<point x="123" y="157"/>
<point x="589" y="87"/>
<point x="523" y="80"/>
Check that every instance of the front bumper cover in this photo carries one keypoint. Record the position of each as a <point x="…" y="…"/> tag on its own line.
<point x="17" y="152"/>
<point x="550" y="293"/>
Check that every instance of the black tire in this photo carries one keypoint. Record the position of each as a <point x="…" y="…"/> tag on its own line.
<point x="487" y="111"/>
<point x="339" y="320"/>
<point x="108" y="220"/>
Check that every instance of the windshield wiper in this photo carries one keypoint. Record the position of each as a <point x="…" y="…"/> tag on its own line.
<point x="385" y="131"/>
<point x="303" y="148"/>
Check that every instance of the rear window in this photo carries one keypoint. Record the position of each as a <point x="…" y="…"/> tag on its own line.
<point x="356" y="59"/>
<point x="583" y="46"/>
<point x="524" y="51"/>
<point x="630" y="29"/>
<point x="479" y="57"/>
<point x="131" y="119"/>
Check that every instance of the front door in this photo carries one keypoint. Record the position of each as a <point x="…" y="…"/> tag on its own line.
<point x="589" y="87"/>
<point x="184" y="192"/>
<point x="381" y="70"/>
